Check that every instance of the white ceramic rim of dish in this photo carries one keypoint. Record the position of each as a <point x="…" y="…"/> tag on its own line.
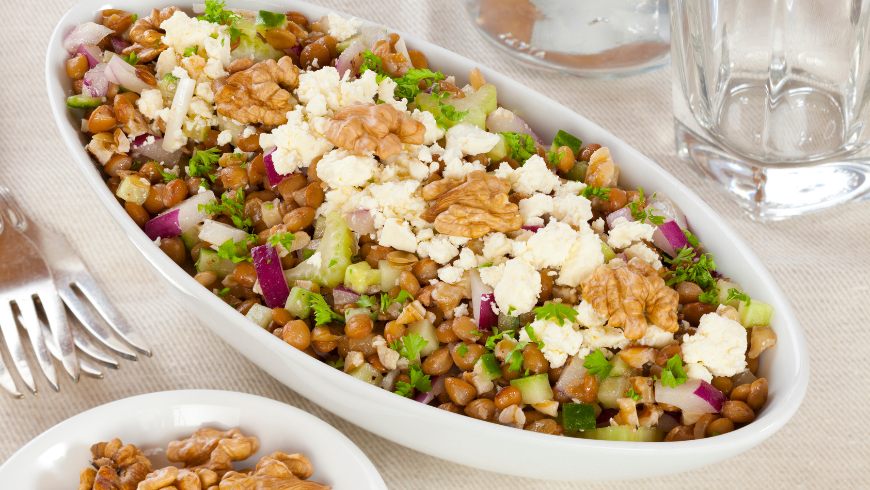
<point x="780" y="408"/>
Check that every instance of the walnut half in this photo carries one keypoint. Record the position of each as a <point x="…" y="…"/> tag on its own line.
<point x="258" y="94"/>
<point x="478" y="205"/>
<point x="625" y="293"/>
<point x="212" y="449"/>
<point x="368" y="129"/>
<point x="272" y="473"/>
<point x="146" y="35"/>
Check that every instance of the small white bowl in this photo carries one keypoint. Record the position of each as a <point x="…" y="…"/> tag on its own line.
<point x="151" y="421"/>
<point x="436" y="432"/>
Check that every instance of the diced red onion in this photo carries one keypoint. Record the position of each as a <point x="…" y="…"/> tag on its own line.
<point x="669" y="237"/>
<point x="118" y="44"/>
<point x="389" y="381"/>
<point x="532" y="228"/>
<point x="619" y="213"/>
<point x="297" y="50"/>
<point x="437" y="384"/>
<point x="504" y="120"/>
<point x="360" y="222"/>
<point x="666" y="208"/>
<point x="153" y="150"/>
<point x="92" y="54"/>
<point x="270" y="275"/>
<point x="87" y="33"/>
<point x="482" y="302"/>
<point x="622" y="256"/>
<point x="95" y="83"/>
<point x="124" y="74"/>
<point x="695" y="395"/>
<point x="345" y="59"/>
<point x="571" y="373"/>
<point x="217" y="233"/>
<point x="179" y="218"/>
<point x="344" y="296"/>
<point x="274" y="176"/>
<point x="667" y="422"/>
<point x="603" y="419"/>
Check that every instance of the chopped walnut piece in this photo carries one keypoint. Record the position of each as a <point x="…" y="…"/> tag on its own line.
<point x="369" y="128"/>
<point x="270" y="474"/>
<point x="298" y="464"/>
<point x="120" y="467"/>
<point x="159" y="479"/>
<point x="472" y="209"/>
<point x="212" y="449"/>
<point x="87" y="476"/>
<point x="624" y="293"/>
<point x="259" y="94"/>
<point x="146" y="34"/>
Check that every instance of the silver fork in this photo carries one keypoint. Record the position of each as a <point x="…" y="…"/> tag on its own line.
<point x="24" y="276"/>
<point x="69" y="272"/>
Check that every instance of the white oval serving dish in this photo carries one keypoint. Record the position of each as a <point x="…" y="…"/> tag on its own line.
<point x="438" y="433"/>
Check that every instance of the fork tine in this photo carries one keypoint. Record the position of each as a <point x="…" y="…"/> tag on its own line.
<point x="83" y="342"/>
<point x="89" y="288"/>
<point x="89" y="369"/>
<point x="86" y="366"/>
<point x="30" y="322"/>
<point x="13" y="342"/>
<point x="7" y="382"/>
<point x="92" y="324"/>
<point x="60" y="329"/>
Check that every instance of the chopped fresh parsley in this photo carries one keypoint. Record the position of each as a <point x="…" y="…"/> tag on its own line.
<point x="170" y="78"/>
<point x="533" y="337"/>
<point x="710" y="297"/>
<point x="673" y="374"/>
<point x="420" y="381"/>
<point x="216" y="13"/>
<point x="223" y="292"/>
<point x="322" y="312"/>
<point x="515" y="356"/>
<point x="203" y="163"/>
<point x="602" y="193"/>
<point x="735" y="294"/>
<point x="337" y="364"/>
<point x="556" y="312"/>
<point x="488" y="264"/>
<point x="409" y="346"/>
<point x="495" y="337"/>
<point x="234" y="207"/>
<point x="135" y="16"/>
<point x="408" y="86"/>
<point x="132" y="58"/>
<point x="188" y="52"/>
<point x="692" y="239"/>
<point x="462" y="350"/>
<point x="285" y="239"/>
<point x="634" y="395"/>
<point x="511" y="309"/>
<point x="236" y="251"/>
<point x="366" y="301"/>
<point x="521" y="146"/>
<point x="448" y="113"/>
<point x="270" y="20"/>
<point x="597" y="364"/>
<point x="167" y="176"/>
<point x="640" y="215"/>
<point x="372" y="62"/>
<point x="307" y="254"/>
<point x="386" y="301"/>
<point x="692" y="267"/>
<point x="332" y="263"/>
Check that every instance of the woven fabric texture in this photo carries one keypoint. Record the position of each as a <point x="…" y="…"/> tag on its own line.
<point x="821" y="262"/>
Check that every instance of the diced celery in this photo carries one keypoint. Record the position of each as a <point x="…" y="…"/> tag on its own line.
<point x="253" y="46"/>
<point x="724" y="286"/>
<point x="755" y="313"/>
<point x="299" y="302"/>
<point x="478" y="105"/>
<point x="608" y="252"/>
<point x="358" y="311"/>
<point x="535" y="389"/>
<point x="498" y="151"/>
<point x="610" y="389"/>
<point x="209" y="261"/>
<point x="425" y="329"/>
<point x="84" y="102"/>
<point x="360" y="276"/>
<point x="260" y="315"/>
<point x="319" y="227"/>
<point x="134" y="189"/>
<point x="625" y="433"/>
<point x="621" y="368"/>
<point x="489" y="367"/>
<point x="191" y="237"/>
<point x="578" y="416"/>
<point x="335" y="253"/>
<point x="577" y="172"/>
<point x="340" y="47"/>
<point x="367" y="373"/>
<point x="389" y="275"/>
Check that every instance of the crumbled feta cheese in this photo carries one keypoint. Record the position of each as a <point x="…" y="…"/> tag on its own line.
<point x="203" y="90"/>
<point x="521" y="289"/>
<point x="316" y="260"/>
<point x="644" y="252"/>
<point x="450" y="274"/>
<point x="150" y="101"/>
<point x="549" y="247"/>
<point x="698" y="371"/>
<point x="461" y="310"/>
<point x="180" y="73"/>
<point x="598" y="226"/>
<point x="569" y="188"/>
<point x="224" y="137"/>
<point x="184" y="32"/>
<point x="336" y="92"/>
<point x="166" y="62"/>
<point x="438" y="249"/>
<point x="533" y="176"/>
<point x="214" y="69"/>
<point x="496" y="245"/>
<point x="719" y="344"/>
<point x="656" y="336"/>
<point x="574" y="210"/>
<point x="560" y="341"/>
<point x="624" y="232"/>
<point x="387" y="93"/>
<point x="470" y="139"/>
<point x="587" y="316"/>
<point x="584" y="257"/>
<point x="341" y="28"/>
<point x="467" y="259"/>
<point x="535" y="206"/>
<point x="249" y="131"/>
<point x="340" y="168"/>
<point x="297" y="142"/>
<point x="455" y="167"/>
<point x="492" y="275"/>
<point x="605" y="337"/>
<point x="405" y="165"/>
<point x="398" y="234"/>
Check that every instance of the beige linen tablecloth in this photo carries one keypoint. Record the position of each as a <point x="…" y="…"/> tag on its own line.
<point x="822" y="262"/>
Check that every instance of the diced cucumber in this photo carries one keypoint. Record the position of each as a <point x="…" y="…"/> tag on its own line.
<point x="498" y="151"/>
<point x="564" y="138"/>
<point x="610" y="389"/>
<point x="299" y="302"/>
<point x="608" y="252"/>
<point x="340" y="47"/>
<point x="360" y="276"/>
<point x="319" y="227"/>
<point x="621" y="368"/>
<point x="625" y="433"/>
<point x="358" y="311"/>
<point x="507" y="322"/>
<point x="367" y="373"/>
<point x="755" y="313"/>
<point x="489" y="367"/>
<point x="335" y="254"/>
<point x="578" y="416"/>
<point x="724" y="286"/>
<point x="209" y="261"/>
<point x="389" y="275"/>
<point x="84" y="102"/>
<point x="253" y="46"/>
<point x="577" y="172"/>
<point x="478" y="105"/>
<point x="425" y="329"/>
<point x="191" y="237"/>
<point x="269" y="20"/>
<point x="535" y="389"/>
<point x="134" y="189"/>
<point x="260" y="315"/>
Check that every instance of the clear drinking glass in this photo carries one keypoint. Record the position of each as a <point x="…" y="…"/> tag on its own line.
<point x="770" y="100"/>
<point x="591" y="38"/>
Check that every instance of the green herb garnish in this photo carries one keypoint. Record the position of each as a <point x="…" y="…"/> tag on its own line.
<point x="188" y="52"/>
<point x="640" y="215"/>
<point x="337" y="364"/>
<point x="132" y="58"/>
<point x="556" y="312"/>
<point x="217" y="14"/>
<point x="409" y="346"/>
<point x="634" y="395"/>
<point x="234" y="207"/>
<point x="386" y="301"/>
<point x="597" y="364"/>
<point x="709" y="297"/>
<point x="236" y="251"/>
<point x="462" y="350"/>
<point x="602" y="193"/>
<point x="366" y="301"/>
<point x="421" y="382"/>
<point x="322" y="312"/>
<point x="270" y="20"/>
<point x="673" y="374"/>
<point x="203" y="163"/>
<point x="735" y="294"/>
<point x="285" y="239"/>
<point x="521" y="146"/>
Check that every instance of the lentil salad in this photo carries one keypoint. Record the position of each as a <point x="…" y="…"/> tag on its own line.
<point x="364" y="209"/>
